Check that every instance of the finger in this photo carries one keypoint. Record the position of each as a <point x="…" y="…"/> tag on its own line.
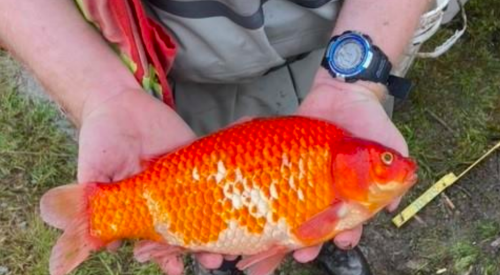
<point x="394" y="205"/>
<point x="349" y="239"/>
<point x="128" y="169"/>
<point x="106" y="168"/>
<point x="307" y="254"/>
<point x="209" y="260"/>
<point x="90" y="168"/>
<point x="106" y="153"/>
<point x="87" y="173"/>
<point x="113" y="246"/>
<point x="171" y="265"/>
<point x="143" y="250"/>
<point x="230" y="257"/>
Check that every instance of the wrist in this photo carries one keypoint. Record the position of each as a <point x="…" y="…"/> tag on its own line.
<point x="100" y="99"/>
<point x="329" y="94"/>
<point x="324" y="80"/>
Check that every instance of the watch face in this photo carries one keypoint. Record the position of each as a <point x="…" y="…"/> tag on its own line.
<point x="349" y="55"/>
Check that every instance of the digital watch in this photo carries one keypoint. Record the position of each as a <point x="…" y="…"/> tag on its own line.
<point x="352" y="56"/>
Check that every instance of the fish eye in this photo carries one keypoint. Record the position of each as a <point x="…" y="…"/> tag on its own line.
<point x="387" y="158"/>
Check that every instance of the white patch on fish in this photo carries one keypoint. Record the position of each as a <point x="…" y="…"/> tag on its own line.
<point x="196" y="175"/>
<point x="237" y="201"/>
<point x="221" y="171"/>
<point x="300" y="194"/>
<point x="285" y="160"/>
<point x="291" y="183"/>
<point x="259" y="201"/>
<point x="351" y="215"/>
<point x="170" y="238"/>
<point x="236" y="239"/>
<point x="239" y="175"/>
<point x="274" y="192"/>
<point x="302" y="169"/>
<point x="161" y="220"/>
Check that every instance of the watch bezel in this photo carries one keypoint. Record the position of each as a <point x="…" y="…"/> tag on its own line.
<point x="341" y="40"/>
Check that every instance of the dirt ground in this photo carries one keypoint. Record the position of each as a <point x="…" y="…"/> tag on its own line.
<point x="421" y="247"/>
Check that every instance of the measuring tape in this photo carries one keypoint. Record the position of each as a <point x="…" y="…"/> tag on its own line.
<point x="436" y="189"/>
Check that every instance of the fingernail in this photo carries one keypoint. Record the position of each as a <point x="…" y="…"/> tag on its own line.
<point x="344" y="244"/>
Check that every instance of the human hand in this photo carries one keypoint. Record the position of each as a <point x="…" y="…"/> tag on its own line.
<point x="356" y="108"/>
<point x="117" y="134"/>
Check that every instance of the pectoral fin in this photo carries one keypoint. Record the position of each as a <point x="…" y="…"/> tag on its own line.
<point x="322" y="226"/>
<point x="263" y="263"/>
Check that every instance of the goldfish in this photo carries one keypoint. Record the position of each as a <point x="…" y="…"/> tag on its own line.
<point x="261" y="189"/>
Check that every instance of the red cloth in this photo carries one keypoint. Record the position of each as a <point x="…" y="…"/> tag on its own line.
<point x="138" y="38"/>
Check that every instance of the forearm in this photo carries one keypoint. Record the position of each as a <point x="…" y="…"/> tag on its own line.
<point x="391" y="25"/>
<point x="69" y="58"/>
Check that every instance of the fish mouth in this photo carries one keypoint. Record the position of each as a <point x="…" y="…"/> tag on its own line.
<point x="411" y="179"/>
<point x="412" y="176"/>
<point x="388" y="191"/>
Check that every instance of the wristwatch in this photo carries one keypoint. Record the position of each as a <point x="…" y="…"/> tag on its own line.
<point x="352" y="56"/>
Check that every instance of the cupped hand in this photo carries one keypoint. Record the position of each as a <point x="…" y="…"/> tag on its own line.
<point x="356" y="108"/>
<point x="116" y="135"/>
<point x="123" y="131"/>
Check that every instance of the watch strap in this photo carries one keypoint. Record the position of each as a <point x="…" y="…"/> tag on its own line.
<point x="378" y="71"/>
<point x="399" y="87"/>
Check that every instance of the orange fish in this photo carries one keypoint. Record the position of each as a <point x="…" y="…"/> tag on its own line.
<point x="260" y="189"/>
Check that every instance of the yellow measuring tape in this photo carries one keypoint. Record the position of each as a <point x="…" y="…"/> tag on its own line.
<point x="435" y="190"/>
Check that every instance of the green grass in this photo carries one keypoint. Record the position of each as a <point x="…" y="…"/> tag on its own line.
<point x="462" y="89"/>
<point x="464" y="249"/>
<point x="34" y="156"/>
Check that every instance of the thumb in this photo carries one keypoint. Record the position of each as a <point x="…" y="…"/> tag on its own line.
<point x="106" y="157"/>
<point x="89" y="171"/>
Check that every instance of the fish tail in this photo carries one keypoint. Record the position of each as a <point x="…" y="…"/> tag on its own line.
<point x="66" y="208"/>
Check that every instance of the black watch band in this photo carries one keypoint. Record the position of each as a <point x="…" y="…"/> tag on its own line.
<point x="379" y="69"/>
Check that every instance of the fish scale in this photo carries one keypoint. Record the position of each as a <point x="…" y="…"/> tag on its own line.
<point x="258" y="181"/>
